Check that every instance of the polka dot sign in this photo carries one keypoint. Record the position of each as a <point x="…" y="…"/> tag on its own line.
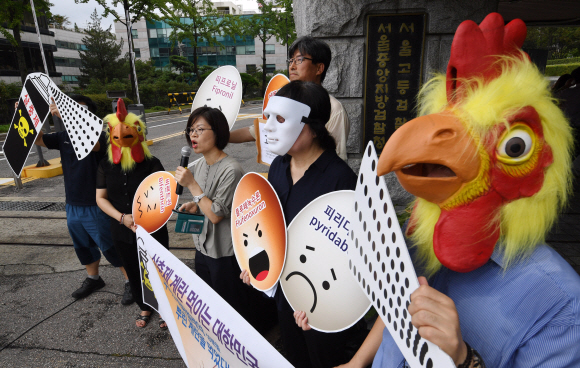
<point x="381" y="264"/>
<point x="83" y="127"/>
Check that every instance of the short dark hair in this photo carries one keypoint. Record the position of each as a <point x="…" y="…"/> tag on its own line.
<point x="317" y="98"/>
<point x="317" y="49"/>
<point x="87" y="101"/>
<point x="216" y="120"/>
<point x="576" y="75"/>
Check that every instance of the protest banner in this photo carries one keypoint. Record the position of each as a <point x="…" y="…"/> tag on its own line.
<point x="32" y="110"/>
<point x="154" y="201"/>
<point x="383" y="267"/>
<point x="206" y="330"/>
<point x="258" y="231"/>
<point x="222" y="89"/>
<point x="316" y="277"/>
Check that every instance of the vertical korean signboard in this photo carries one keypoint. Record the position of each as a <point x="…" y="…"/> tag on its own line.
<point x="394" y="62"/>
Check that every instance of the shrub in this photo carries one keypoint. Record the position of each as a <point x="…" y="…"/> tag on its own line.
<point x="560" y="69"/>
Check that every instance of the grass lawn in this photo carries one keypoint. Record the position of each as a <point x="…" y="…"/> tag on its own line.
<point x="4" y="128"/>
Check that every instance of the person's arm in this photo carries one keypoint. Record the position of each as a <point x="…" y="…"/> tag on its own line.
<point x="367" y="351"/>
<point x="106" y="206"/>
<point x="39" y="141"/>
<point x="241" y="135"/>
<point x="339" y="127"/>
<point x="185" y="178"/>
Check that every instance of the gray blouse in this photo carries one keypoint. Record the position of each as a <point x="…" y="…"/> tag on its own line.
<point x="218" y="182"/>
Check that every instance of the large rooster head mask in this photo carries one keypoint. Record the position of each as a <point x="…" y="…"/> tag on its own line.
<point x="489" y="157"/>
<point x="127" y="138"/>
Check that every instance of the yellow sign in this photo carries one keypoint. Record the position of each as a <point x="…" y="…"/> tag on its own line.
<point x="23" y="128"/>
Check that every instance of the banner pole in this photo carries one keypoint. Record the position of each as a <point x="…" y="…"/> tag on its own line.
<point x="41" y="162"/>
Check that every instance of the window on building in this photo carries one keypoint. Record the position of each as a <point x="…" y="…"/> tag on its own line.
<point x="70" y="78"/>
<point x="270" y="49"/>
<point x="137" y="53"/>
<point x="134" y="34"/>
<point x="154" y="52"/>
<point x="270" y="68"/>
<point x="250" y="68"/>
<point x="70" y="62"/>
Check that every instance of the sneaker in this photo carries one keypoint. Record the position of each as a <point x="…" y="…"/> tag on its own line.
<point x="88" y="286"/>
<point x="127" y="295"/>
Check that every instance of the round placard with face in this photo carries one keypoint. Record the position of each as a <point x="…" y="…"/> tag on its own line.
<point x="258" y="231"/>
<point x="316" y="277"/>
<point x="154" y="200"/>
<point x="278" y="81"/>
<point x="222" y="90"/>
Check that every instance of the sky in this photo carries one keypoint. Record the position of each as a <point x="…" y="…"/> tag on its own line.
<point x="81" y="13"/>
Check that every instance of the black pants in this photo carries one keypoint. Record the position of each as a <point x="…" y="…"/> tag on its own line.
<point x="312" y="349"/>
<point x="223" y="276"/>
<point x="130" y="257"/>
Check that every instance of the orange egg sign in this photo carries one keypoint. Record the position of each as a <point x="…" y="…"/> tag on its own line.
<point x="258" y="231"/>
<point x="154" y="200"/>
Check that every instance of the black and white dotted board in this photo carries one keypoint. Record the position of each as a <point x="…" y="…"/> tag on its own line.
<point x="381" y="264"/>
<point x="83" y="127"/>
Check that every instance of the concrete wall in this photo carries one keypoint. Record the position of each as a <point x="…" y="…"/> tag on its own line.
<point x="342" y="24"/>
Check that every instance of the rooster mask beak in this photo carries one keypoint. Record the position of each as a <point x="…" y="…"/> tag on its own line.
<point x="433" y="156"/>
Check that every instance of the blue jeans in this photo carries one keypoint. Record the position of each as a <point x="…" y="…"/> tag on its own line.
<point x="90" y="230"/>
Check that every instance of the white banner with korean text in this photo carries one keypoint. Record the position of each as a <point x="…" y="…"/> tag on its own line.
<point x="207" y="331"/>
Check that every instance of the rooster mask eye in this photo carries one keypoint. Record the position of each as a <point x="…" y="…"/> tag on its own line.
<point x="516" y="145"/>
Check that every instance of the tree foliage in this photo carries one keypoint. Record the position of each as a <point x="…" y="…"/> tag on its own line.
<point x="60" y="21"/>
<point x="562" y="42"/>
<point x="12" y="14"/>
<point x="263" y="26"/>
<point x="100" y="61"/>
<point x="193" y="22"/>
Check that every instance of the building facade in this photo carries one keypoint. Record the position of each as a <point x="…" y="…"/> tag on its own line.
<point x="66" y="57"/>
<point x="151" y="42"/>
<point x="9" y="71"/>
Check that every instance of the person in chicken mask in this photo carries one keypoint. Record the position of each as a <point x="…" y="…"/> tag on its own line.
<point x="127" y="164"/>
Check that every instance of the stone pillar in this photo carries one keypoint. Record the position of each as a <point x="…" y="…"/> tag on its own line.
<point x="342" y="24"/>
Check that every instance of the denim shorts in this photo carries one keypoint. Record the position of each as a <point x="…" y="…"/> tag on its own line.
<point x="90" y="230"/>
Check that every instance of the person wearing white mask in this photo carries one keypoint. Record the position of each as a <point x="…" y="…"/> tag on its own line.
<point x="306" y="168"/>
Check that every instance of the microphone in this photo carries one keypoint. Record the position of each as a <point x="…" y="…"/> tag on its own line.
<point x="185" y="152"/>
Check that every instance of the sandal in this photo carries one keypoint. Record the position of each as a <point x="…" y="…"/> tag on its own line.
<point x="162" y="322"/>
<point x="145" y="319"/>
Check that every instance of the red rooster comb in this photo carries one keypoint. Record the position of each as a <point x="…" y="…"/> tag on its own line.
<point x="121" y="110"/>
<point x="474" y="47"/>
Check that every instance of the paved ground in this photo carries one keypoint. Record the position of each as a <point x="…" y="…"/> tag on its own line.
<point x="42" y="325"/>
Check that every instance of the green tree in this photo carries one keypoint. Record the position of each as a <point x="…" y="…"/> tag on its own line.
<point x="100" y="60"/>
<point x="562" y="42"/>
<point x="193" y="22"/>
<point x="60" y="21"/>
<point x="12" y="14"/>
<point x="247" y="81"/>
<point x="181" y="63"/>
<point x="136" y="9"/>
<point x="285" y="28"/>
<point x="262" y="25"/>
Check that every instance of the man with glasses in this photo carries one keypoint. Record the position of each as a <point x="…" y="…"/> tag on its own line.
<point x="309" y="62"/>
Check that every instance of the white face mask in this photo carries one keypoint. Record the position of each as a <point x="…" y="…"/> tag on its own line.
<point x="84" y="107"/>
<point x="281" y="136"/>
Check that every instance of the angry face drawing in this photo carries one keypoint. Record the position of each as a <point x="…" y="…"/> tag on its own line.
<point x="258" y="231"/>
